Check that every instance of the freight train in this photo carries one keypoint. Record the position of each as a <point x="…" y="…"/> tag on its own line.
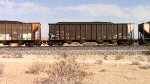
<point x="29" y="34"/>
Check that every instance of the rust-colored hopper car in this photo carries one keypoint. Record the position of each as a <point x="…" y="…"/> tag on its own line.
<point x="28" y="34"/>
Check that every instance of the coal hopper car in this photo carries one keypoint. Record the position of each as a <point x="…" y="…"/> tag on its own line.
<point x="28" y="34"/>
<point x="144" y="33"/>
<point x="100" y="32"/>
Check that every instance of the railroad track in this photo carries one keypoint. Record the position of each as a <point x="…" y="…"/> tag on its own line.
<point x="102" y="48"/>
<point x="77" y="51"/>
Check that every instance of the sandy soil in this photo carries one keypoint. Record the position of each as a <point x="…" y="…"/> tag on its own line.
<point x="111" y="71"/>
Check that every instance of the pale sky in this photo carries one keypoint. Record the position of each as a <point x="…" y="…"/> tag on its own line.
<point x="50" y="11"/>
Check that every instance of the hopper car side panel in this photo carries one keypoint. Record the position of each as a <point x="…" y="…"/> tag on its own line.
<point x="57" y="32"/>
<point x="78" y="32"/>
<point x="20" y="31"/>
<point x="83" y="32"/>
<point x="104" y="31"/>
<point x="125" y="31"/>
<point x="99" y="32"/>
<point x="88" y="32"/>
<point x="94" y="32"/>
<point x="72" y="32"/>
<point x="2" y="32"/>
<point x="52" y="32"/>
<point x="62" y="32"/>
<point x="8" y="31"/>
<point x="120" y="32"/>
<point x="14" y="31"/>
<point x="115" y="32"/>
<point x="109" y="31"/>
<point x="67" y="32"/>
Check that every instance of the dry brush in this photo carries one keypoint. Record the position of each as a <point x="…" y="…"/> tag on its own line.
<point x="66" y="71"/>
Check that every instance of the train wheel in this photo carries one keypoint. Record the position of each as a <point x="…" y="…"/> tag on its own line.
<point x="29" y="44"/>
<point x="131" y="43"/>
<point x="5" y="43"/>
<point x="81" y="42"/>
<point x="120" y="43"/>
<point x="58" y="43"/>
<point x="50" y="43"/>
<point x="61" y="43"/>
<point x="141" y="43"/>
<point x="69" y="42"/>
<point x="113" y="42"/>
<point x="99" y="42"/>
<point x="38" y="45"/>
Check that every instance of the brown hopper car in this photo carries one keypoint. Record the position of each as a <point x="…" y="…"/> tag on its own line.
<point x="20" y="33"/>
<point x="100" y="32"/>
<point x="144" y="33"/>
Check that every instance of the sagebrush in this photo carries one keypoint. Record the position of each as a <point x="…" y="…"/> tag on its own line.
<point x="66" y="71"/>
<point x="36" y="68"/>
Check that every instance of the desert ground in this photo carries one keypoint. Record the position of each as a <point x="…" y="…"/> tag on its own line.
<point x="103" y="68"/>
